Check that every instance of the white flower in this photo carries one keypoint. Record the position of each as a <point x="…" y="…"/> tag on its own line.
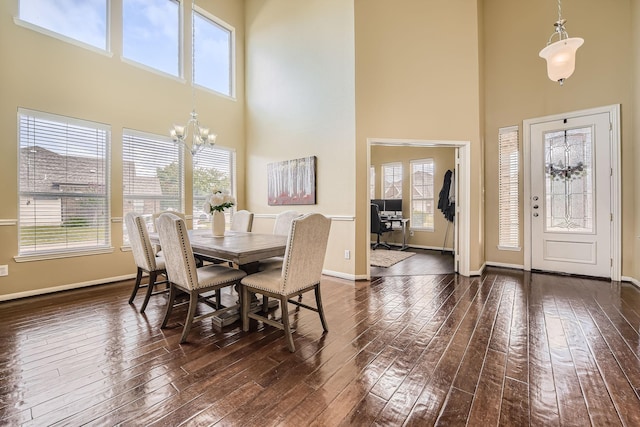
<point x="218" y="201"/>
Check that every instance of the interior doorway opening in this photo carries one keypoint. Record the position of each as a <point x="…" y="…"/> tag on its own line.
<point x="461" y="224"/>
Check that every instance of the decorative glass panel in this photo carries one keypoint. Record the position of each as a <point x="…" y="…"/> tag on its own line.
<point x="569" y="181"/>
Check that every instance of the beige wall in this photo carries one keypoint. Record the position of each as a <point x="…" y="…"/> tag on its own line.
<point x="517" y="88"/>
<point x="300" y="102"/>
<point x="417" y="77"/>
<point x="635" y="30"/>
<point x="43" y="73"/>
<point x="443" y="160"/>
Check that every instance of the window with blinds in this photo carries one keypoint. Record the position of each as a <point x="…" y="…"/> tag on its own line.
<point x="422" y="194"/>
<point x="508" y="183"/>
<point x="63" y="184"/>
<point x="152" y="175"/>
<point x="392" y="181"/>
<point x="372" y="182"/>
<point x="213" y="168"/>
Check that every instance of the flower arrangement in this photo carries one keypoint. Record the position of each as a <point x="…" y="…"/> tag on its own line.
<point x="218" y="201"/>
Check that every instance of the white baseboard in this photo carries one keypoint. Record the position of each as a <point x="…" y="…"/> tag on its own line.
<point x="478" y="272"/>
<point x="631" y="280"/>
<point x="504" y="265"/>
<point x="51" y="290"/>
<point x="341" y="275"/>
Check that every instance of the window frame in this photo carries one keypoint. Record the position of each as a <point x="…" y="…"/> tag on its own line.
<point x="385" y="167"/>
<point x="198" y="200"/>
<point x="509" y="218"/>
<point x="68" y="122"/>
<point x="413" y="199"/>
<point x="18" y="20"/>
<point x="214" y="20"/>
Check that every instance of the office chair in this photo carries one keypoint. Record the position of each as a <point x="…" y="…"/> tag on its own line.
<point x="378" y="227"/>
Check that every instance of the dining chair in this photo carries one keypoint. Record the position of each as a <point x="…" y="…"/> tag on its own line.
<point x="155" y="216"/>
<point x="301" y="272"/>
<point x="145" y="258"/>
<point x="185" y="276"/>
<point x="242" y="221"/>
<point x="280" y="227"/>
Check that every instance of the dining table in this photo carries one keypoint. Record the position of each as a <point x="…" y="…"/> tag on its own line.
<point x="244" y="249"/>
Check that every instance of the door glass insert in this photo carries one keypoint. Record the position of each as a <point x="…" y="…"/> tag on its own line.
<point x="569" y="181"/>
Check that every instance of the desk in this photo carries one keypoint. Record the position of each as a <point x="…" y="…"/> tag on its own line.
<point x="403" y="222"/>
<point x="241" y="248"/>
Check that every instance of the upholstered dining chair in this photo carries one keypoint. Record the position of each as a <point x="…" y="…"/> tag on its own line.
<point x="242" y="221"/>
<point x="145" y="258"/>
<point x="301" y="272"/>
<point x="184" y="276"/>
<point x="155" y="216"/>
<point x="280" y="227"/>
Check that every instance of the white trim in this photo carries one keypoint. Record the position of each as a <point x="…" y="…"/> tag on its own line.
<point x="634" y="282"/>
<point x="504" y="265"/>
<point x="8" y="222"/>
<point x="478" y="272"/>
<point x="614" y="119"/>
<point x="332" y="217"/>
<point x="35" y="292"/>
<point x="509" y="248"/>
<point x="463" y="207"/>
<point x="42" y="256"/>
<point x="341" y="275"/>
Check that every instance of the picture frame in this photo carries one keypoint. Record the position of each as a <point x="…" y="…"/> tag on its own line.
<point x="292" y="182"/>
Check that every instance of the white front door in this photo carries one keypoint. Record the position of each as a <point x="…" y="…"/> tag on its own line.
<point x="570" y="207"/>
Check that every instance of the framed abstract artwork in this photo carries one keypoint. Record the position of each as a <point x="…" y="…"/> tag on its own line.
<point x="292" y="182"/>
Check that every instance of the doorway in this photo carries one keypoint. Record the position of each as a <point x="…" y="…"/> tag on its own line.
<point x="572" y="203"/>
<point x="462" y="223"/>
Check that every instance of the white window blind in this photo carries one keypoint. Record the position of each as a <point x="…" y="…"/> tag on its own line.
<point x="214" y="53"/>
<point x="150" y="33"/>
<point x="392" y="181"/>
<point x="372" y="182"/>
<point x="509" y="201"/>
<point x="212" y="169"/>
<point x="422" y="194"/>
<point x="63" y="184"/>
<point x="84" y="21"/>
<point x="152" y="175"/>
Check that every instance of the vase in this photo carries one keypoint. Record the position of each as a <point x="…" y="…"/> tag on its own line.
<point x="218" y="224"/>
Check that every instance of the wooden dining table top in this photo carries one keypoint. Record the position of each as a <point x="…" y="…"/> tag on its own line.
<point x="239" y="247"/>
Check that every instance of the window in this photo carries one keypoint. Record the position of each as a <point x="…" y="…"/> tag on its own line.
<point x="392" y="181"/>
<point x="213" y="53"/>
<point x="508" y="182"/>
<point x="372" y="182"/>
<point x="152" y="175"/>
<point x="81" y="20"/>
<point x="212" y="168"/>
<point x="63" y="184"/>
<point x="150" y="33"/>
<point x="422" y="194"/>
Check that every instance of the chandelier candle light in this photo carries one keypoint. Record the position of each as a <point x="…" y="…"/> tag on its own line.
<point x="193" y="136"/>
<point x="561" y="55"/>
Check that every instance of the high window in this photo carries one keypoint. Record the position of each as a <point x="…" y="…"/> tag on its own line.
<point x="422" y="194"/>
<point x="152" y="175"/>
<point x="76" y="20"/>
<point x="508" y="183"/>
<point x="150" y="33"/>
<point x="213" y="53"/>
<point x="392" y="181"/>
<point x="213" y="169"/>
<point x="63" y="184"/>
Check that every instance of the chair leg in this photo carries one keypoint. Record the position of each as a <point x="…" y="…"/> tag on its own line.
<point x="265" y="304"/>
<point x="137" y="285"/>
<point x="153" y="276"/>
<point x="320" y="309"/>
<point x="218" y="299"/>
<point x="167" y="312"/>
<point x="245" y="303"/>
<point x="193" y="303"/>
<point x="284" y="307"/>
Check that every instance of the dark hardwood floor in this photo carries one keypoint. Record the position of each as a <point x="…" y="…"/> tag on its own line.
<point x="424" y="262"/>
<point x="507" y="348"/>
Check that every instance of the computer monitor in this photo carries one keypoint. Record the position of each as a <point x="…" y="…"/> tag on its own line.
<point x="380" y="204"/>
<point x="393" y="205"/>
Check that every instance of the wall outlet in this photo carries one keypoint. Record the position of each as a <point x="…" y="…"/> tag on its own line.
<point x="4" y="270"/>
<point x="347" y="254"/>
<point x="411" y="233"/>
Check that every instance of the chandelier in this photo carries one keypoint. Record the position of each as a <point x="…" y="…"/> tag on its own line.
<point x="561" y="55"/>
<point x="193" y="136"/>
